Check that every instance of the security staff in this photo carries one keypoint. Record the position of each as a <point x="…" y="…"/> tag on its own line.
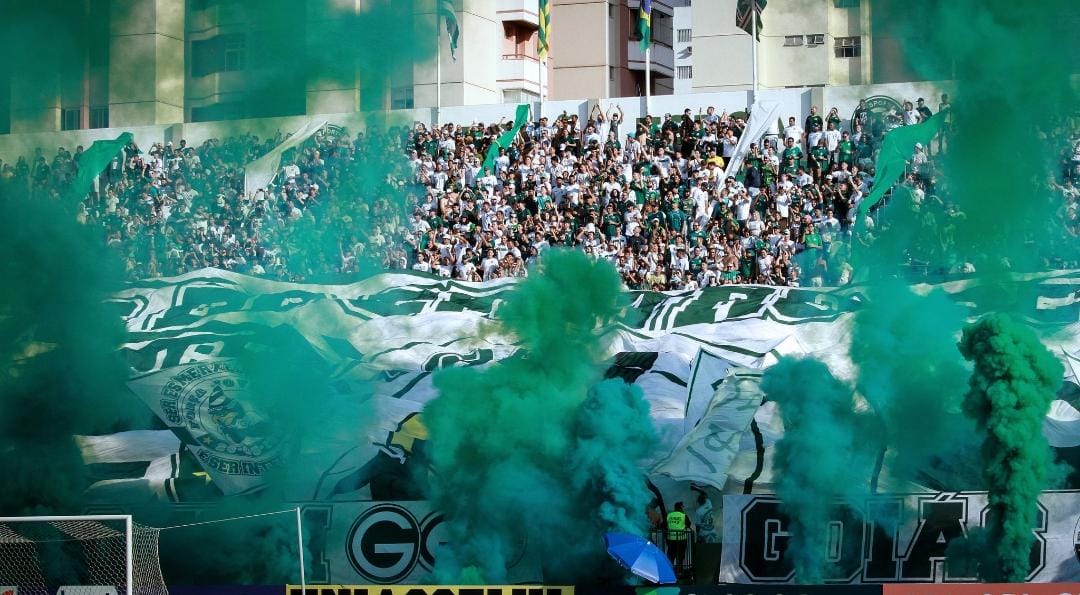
<point x="678" y="528"/>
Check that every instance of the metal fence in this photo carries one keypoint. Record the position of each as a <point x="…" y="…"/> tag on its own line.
<point x="671" y="542"/>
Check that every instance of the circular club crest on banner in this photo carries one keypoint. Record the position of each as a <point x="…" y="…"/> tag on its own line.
<point x="883" y="113"/>
<point x="212" y="401"/>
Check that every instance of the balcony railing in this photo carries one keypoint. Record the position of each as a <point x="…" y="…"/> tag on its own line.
<point x="520" y="57"/>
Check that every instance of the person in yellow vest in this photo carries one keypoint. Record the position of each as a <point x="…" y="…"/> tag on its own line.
<point x="678" y="530"/>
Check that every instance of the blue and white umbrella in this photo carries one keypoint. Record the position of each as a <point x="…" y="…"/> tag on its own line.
<point x="641" y="557"/>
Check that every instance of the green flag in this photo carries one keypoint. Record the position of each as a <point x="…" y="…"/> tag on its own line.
<point x="446" y="12"/>
<point x="892" y="159"/>
<point x="746" y="10"/>
<point x="645" y="23"/>
<point x="93" y="160"/>
<point x="504" y="139"/>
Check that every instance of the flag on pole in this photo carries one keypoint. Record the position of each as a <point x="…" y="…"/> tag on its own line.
<point x="645" y="23"/>
<point x="747" y="9"/>
<point x="542" y="43"/>
<point x="446" y="12"/>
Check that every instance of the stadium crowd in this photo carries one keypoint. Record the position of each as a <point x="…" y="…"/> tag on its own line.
<point x="650" y="196"/>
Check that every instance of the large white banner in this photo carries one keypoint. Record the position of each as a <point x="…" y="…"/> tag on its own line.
<point x="693" y="353"/>
<point x="900" y="538"/>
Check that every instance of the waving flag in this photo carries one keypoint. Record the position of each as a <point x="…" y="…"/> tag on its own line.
<point x="446" y="12"/>
<point x="645" y="23"/>
<point x="745" y="11"/>
<point x="542" y="42"/>
<point x="505" y="139"/>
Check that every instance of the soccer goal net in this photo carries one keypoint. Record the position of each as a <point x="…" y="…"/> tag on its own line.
<point x="79" y="555"/>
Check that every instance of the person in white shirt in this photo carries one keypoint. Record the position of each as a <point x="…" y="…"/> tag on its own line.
<point x="422" y="265"/>
<point x="812" y="138"/>
<point x="489" y="265"/>
<point x="793" y="131"/>
<point x="803" y="178"/>
<point x="783" y="204"/>
<point x="728" y="145"/>
<point x="911" y="115"/>
<point x="663" y="162"/>
<point x="742" y="207"/>
<point x="832" y="140"/>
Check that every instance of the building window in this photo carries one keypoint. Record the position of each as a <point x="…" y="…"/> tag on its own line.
<point x="226" y="110"/>
<point x="223" y="53"/>
<point x="234" y="52"/>
<point x="686" y="72"/>
<point x="846" y="3"/>
<point x="71" y="118"/>
<point x="99" y="117"/>
<point x="848" y="47"/>
<point x="611" y="73"/>
<point x="793" y="40"/>
<point x="519" y="96"/>
<point x="815" y="39"/>
<point x="685" y="35"/>
<point x="401" y="97"/>
<point x="611" y="11"/>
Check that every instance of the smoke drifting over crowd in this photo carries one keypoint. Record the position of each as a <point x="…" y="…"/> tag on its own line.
<point x="537" y="440"/>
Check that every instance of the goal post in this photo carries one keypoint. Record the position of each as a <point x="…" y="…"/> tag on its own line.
<point x="79" y="555"/>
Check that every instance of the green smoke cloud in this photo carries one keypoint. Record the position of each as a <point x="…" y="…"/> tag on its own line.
<point x="993" y="210"/>
<point x="53" y="315"/>
<point x="60" y="374"/>
<point x="1011" y="109"/>
<point x="1011" y="387"/>
<point x="912" y="376"/>
<point x="821" y="458"/>
<point x="531" y="448"/>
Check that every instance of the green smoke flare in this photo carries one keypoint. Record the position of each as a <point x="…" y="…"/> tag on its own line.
<point x="532" y="442"/>
<point x="820" y="459"/>
<point x="1011" y="388"/>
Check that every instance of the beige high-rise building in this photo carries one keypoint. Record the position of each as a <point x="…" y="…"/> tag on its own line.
<point x="155" y="62"/>
<point x="596" y="49"/>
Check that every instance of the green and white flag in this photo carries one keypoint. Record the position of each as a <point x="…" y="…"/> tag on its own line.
<point x="695" y="354"/>
<point x="446" y="13"/>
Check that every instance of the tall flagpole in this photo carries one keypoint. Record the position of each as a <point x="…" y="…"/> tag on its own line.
<point x="648" y="80"/>
<point x="438" y="73"/>
<point x="753" y="41"/>
<point x="543" y="88"/>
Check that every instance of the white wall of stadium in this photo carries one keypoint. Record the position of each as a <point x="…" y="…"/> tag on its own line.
<point x="794" y="101"/>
